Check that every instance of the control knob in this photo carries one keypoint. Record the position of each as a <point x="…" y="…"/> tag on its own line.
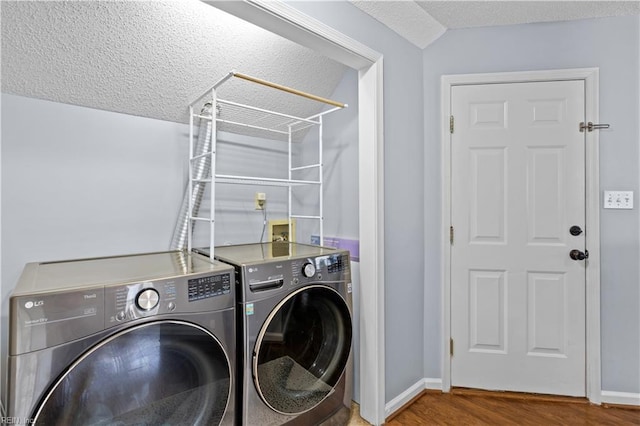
<point x="147" y="299"/>
<point x="308" y="270"/>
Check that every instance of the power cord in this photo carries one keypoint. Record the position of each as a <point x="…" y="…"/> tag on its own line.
<point x="264" y="221"/>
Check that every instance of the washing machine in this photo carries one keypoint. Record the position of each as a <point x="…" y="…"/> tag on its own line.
<point x="295" y="331"/>
<point x="139" y="339"/>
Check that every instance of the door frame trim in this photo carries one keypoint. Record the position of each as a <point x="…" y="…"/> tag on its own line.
<point x="590" y="76"/>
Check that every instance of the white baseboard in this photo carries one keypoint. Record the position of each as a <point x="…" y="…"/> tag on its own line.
<point x="433" y="384"/>
<point x="399" y="401"/>
<point x="622" y="398"/>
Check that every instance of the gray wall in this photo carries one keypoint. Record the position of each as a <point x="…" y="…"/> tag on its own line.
<point x="404" y="189"/>
<point x="78" y="182"/>
<point x="237" y="220"/>
<point x="612" y="44"/>
<point x="341" y="190"/>
<point x="341" y="209"/>
<point x="81" y="182"/>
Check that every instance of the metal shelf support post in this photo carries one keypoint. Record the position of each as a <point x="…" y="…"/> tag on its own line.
<point x="212" y="185"/>
<point x="321" y="179"/>
<point x="190" y="183"/>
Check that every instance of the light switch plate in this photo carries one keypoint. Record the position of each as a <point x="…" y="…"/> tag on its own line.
<point x="618" y="199"/>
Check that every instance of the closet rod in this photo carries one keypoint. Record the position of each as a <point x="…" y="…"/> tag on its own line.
<point x="273" y="86"/>
<point x="288" y="89"/>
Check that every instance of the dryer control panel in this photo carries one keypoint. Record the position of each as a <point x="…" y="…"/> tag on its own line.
<point x="319" y="268"/>
<point x="265" y="269"/>
<point x="284" y="274"/>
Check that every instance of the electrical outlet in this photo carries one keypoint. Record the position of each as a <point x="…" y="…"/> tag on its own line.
<point x="260" y="200"/>
<point x="618" y="199"/>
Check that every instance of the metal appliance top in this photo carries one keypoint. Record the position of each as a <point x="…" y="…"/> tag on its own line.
<point x="41" y="277"/>
<point x="246" y="254"/>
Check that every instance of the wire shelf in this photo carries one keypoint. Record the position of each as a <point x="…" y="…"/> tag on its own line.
<point x="244" y="119"/>
<point x="249" y="180"/>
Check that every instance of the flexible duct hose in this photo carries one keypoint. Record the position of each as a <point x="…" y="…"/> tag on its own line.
<point x="201" y="170"/>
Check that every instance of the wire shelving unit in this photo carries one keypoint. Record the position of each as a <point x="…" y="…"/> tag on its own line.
<point x="240" y="116"/>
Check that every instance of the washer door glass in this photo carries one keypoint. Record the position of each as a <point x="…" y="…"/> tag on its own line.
<point x="302" y="350"/>
<point x="158" y="373"/>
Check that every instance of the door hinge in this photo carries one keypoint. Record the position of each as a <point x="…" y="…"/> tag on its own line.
<point x="451" y="124"/>
<point x="451" y="347"/>
<point x="451" y="234"/>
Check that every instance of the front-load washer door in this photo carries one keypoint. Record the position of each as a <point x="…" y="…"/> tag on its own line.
<point x="158" y="373"/>
<point x="302" y="350"/>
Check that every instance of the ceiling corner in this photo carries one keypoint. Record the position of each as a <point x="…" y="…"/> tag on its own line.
<point x="406" y="18"/>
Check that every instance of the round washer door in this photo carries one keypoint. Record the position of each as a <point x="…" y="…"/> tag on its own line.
<point x="302" y="350"/>
<point x="167" y="372"/>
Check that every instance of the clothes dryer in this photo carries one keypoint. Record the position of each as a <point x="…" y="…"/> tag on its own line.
<point x="295" y="330"/>
<point x="141" y="339"/>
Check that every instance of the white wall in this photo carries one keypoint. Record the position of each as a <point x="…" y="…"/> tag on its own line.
<point x="612" y="45"/>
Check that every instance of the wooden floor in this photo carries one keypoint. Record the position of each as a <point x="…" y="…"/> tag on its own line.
<point x="471" y="407"/>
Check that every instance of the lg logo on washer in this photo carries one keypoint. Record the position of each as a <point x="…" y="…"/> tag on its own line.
<point x="30" y="304"/>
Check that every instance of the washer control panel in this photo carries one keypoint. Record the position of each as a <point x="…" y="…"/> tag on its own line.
<point x="211" y="286"/>
<point x="139" y="300"/>
<point x="178" y="295"/>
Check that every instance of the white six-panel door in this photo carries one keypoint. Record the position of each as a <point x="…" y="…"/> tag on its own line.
<point x="517" y="187"/>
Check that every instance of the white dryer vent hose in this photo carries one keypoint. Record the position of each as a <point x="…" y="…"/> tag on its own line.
<point x="201" y="170"/>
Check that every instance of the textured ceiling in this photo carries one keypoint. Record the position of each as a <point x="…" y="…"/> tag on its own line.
<point x="465" y="14"/>
<point x="151" y="58"/>
<point x="421" y="22"/>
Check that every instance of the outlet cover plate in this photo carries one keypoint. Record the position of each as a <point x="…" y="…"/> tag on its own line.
<point x="259" y="200"/>
<point x="618" y="199"/>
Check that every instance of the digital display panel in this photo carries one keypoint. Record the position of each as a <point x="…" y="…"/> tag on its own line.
<point x="211" y="286"/>
<point x="333" y="263"/>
